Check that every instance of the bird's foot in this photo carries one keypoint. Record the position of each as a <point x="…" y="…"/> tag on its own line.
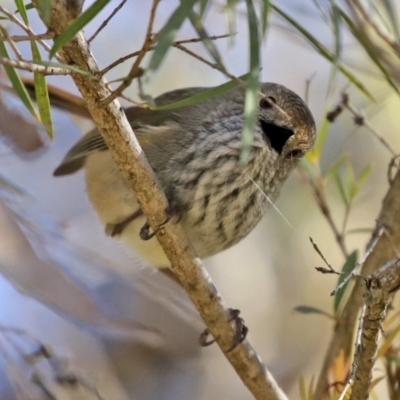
<point x="241" y="331"/>
<point x="172" y="213"/>
<point x="116" y="229"/>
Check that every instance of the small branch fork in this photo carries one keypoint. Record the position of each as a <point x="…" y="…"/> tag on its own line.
<point x="379" y="291"/>
<point x="359" y="119"/>
<point x="384" y="249"/>
<point x="358" y="266"/>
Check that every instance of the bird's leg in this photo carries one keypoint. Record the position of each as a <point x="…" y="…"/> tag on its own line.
<point x="240" y="334"/>
<point x="174" y="211"/>
<point x="116" y="229"/>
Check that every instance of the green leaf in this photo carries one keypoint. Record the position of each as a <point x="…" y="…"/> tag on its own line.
<point x="22" y="10"/>
<point x="203" y="7"/>
<point x="252" y="92"/>
<point x="42" y="94"/>
<point x="303" y="389"/>
<point x="28" y="7"/>
<point x="348" y="266"/>
<point x="63" y="66"/>
<point x="169" y="31"/>
<point x="230" y="12"/>
<point x="392" y="13"/>
<point x="342" y="189"/>
<point x="362" y="178"/>
<point x="333" y="169"/>
<point x="315" y="153"/>
<point x="359" y="35"/>
<point x="359" y="230"/>
<point x="77" y="25"/>
<point x="16" y="82"/>
<point x="335" y="17"/>
<point x="207" y="94"/>
<point x="45" y="9"/>
<point x="323" y="51"/>
<point x="311" y="310"/>
<point x="205" y="38"/>
<point x="388" y="342"/>
<point x="311" y="168"/>
<point x="265" y="9"/>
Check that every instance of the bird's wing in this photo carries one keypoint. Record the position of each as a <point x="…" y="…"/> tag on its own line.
<point x="150" y="127"/>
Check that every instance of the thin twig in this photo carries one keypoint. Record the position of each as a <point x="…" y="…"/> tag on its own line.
<point x="356" y="355"/>
<point x="32" y="38"/>
<point x="330" y="270"/>
<point x="308" y="85"/>
<point x="4" y="34"/>
<point x="28" y="30"/>
<point x="106" y="21"/>
<point x="369" y="250"/>
<point x="318" y="191"/>
<point x="135" y="70"/>
<point x="136" y="53"/>
<point x="361" y="120"/>
<point x="356" y="5"/>
<point x="30" y="66"/>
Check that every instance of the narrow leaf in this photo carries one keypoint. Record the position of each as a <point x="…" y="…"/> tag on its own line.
<point x="359" y="230"/>
<point x="387" y="343"/>
<point x="203" y="6"/>
<point x="303" y="389"/>
<point x="252" y="92"/>
<point x="45" y="9"/>
<point x="323" y="51"/>
<point x="342" y="190"/>
<point x="315" y="153"/>
<point x="16" y="82"/>
<point x="265" y="9"/>
<point x="230" y="12"/>
<point x="42" y="94"/>
<point x="370" y="50"/>
<point x="348" y="266"/>
<point x="169" y="31"/>
<point x="311" y="310"/>
<point x="364" y="174"/>
<point x="77" y="25"/>
<point x="22" y="10"/>
<point x="207" y="94"/>
<point x="71" y="68"/>
<point x="333" y="169"/>
<point x="392" y="13"/>
<point x="205" y="38"/>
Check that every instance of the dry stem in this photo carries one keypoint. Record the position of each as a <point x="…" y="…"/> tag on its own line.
<point x="389" y="217"/>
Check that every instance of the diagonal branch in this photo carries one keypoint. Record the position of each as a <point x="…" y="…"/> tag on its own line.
<point x="389" y="218"/>
<point x="381" y="286"/>
<point x="127" y="153"/>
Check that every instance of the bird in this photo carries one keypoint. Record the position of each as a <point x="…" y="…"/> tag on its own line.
<point x="195" y="153"/>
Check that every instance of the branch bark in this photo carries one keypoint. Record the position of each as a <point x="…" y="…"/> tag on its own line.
<point x="125" y="149"/>
<point x="380" y="288"/>
<point x="389" y="218"/>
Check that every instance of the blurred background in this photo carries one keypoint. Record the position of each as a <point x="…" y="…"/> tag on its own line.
<point x="116" y="324"/>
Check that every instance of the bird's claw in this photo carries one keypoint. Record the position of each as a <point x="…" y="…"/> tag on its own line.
<point x="171" y="212"/>
<point x="241" y="331"/>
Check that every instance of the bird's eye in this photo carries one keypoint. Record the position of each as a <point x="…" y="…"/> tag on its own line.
<point x="294" y="153"/>
<point x="267" y="102"/>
